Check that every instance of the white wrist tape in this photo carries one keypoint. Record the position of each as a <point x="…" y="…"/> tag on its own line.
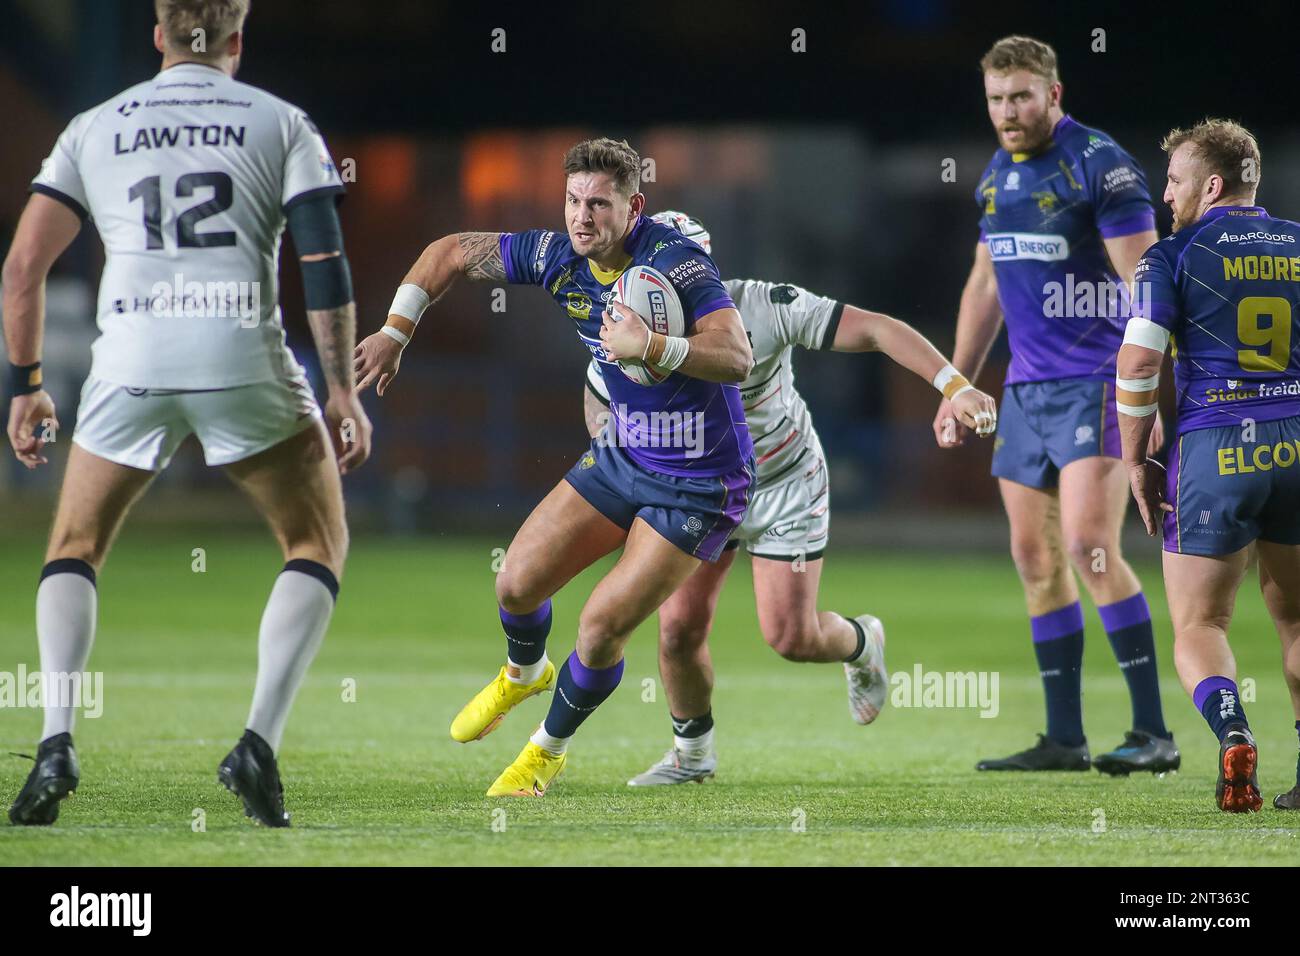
<point x="1137" y="411"/>
<point x="397" y="335"/>
<point x="676" y="348"/>
<point x="944" y="376"/>
<point x="1147" y="334"/>
<point x="410" y="302"/>
<point x="1138" y="384"/>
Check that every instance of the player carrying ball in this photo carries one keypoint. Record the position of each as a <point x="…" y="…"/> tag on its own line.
<point x="671" y="505"/>
<point x="1066" y="215"/>
<point x="1223" y="288"/>
<point x="786" y="527"/>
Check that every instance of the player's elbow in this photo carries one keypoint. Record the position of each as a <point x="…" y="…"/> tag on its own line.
<point x="740" y="359"/>
<point x="1137" y="362"/>
<point x="21" y="270"/>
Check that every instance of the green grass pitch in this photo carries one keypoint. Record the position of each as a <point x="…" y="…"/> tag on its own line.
<point x="377" y="780"/>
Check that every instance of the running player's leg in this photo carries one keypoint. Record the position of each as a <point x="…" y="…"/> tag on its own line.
<point x="650" y="570"/>
<point x="94" y="500"/>
<point x="685" y="621"/>
<point x="1056" y="625"/>
<point x="1279" y="580"/>
<point x="563" y="536"/>
<point x="1202" y="591"/>
<point x="1094" y="495"/>
<point x="786" y="595"/>
<point x="686" y="670"/>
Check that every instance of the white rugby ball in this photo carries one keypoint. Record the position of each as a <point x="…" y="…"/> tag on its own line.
<point x="649" y="294"/>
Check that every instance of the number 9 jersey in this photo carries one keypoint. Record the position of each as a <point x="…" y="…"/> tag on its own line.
<point x="1227" y="288"/>
<point x="188" y="177"/>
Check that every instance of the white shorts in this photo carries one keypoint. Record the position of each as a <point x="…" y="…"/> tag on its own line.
<point x="143" y="427"/>
<point x="790" y="521"/>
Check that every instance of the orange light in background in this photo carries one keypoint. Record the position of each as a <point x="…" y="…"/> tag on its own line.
<point x="494" y="169"/>
<point x="389" y="165"/>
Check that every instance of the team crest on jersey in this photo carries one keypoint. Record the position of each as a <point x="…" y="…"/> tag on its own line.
<point x="782" y="295"/>
<point x="1046" y="201"/>
<point x="989" y="195"/>
<point x="579" y="305"/>
<point x="1013" y="180"/>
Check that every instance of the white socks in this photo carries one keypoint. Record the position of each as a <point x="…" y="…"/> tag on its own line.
<point x="553" y="745"/>
<point x="695" y="747"/>
<point x="66" y="602"/>
<point x="528" y="673"/>
<point x="293" y="627"/>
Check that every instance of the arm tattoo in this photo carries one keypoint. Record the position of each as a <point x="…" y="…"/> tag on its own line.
<point x="482" y="251"/>
<point x="335" y="332"/>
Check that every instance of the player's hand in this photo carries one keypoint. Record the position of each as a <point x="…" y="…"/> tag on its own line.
<point x="1157" y="439"/>
<point x="623" y="340"/>
<point x="31" y="418"/>
<point x="1147" y="480"/>
<point x="377" y="357"/>
<point x="349" y="428"/>
<point x="949" y="432"/>
<point x="976" y="410"/>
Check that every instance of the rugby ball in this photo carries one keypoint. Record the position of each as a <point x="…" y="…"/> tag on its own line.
<point x="649" y="294"/>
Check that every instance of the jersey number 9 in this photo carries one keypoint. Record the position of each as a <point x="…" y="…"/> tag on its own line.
<point x="1277" y="335"/>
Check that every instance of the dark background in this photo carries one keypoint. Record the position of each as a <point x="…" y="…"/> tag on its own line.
<point x="820" y="168"/>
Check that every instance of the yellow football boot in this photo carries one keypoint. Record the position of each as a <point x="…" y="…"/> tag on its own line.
<point x="489" y="707"/>
<point x="532" y="772"/>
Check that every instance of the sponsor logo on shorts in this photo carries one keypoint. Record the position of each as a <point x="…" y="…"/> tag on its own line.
<point x="1007" y="246"/>
<point x="588" y="461"/>
<point x="693" y="526"/>
<point x="1235" y="460"/>
<point x="1083" y="434"/>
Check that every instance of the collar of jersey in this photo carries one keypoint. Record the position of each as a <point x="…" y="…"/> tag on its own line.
<point x="606" y="276"/>
<point x="187" y="63"/>
<point x="1218" y="211"/>
<point x="1065" y="120"/>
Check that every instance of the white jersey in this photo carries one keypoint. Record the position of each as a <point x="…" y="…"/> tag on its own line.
<point x="187" y="177"/>
<point x="777" y="316"/>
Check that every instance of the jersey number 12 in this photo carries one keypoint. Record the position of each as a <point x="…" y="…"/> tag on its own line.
<point x="149" y="190"/>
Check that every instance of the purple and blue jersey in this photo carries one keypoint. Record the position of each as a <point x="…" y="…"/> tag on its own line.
<point x="683" y="426"/>
<point x="1044" y="219"/>
<point x="1227" y="288"/>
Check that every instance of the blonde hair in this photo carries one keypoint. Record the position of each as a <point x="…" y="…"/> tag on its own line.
<point x="1222" y="147"/>
<point x="218" y="19"/>
<point x="1021" y="53"/>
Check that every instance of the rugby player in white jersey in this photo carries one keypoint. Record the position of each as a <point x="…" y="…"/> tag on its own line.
<point x="190" y="178"/>
<point x="786" y="527"/>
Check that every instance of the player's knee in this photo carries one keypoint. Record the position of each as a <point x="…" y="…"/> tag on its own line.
<point x="516" y="595"/>
<point x="76" y="543"/>
<point x="794" y="640"/>
<point x="600" y="633"/>
<point x="1091" y="555"/>
<point x="1036" y="562"/>
<point x="681" y="637"/>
